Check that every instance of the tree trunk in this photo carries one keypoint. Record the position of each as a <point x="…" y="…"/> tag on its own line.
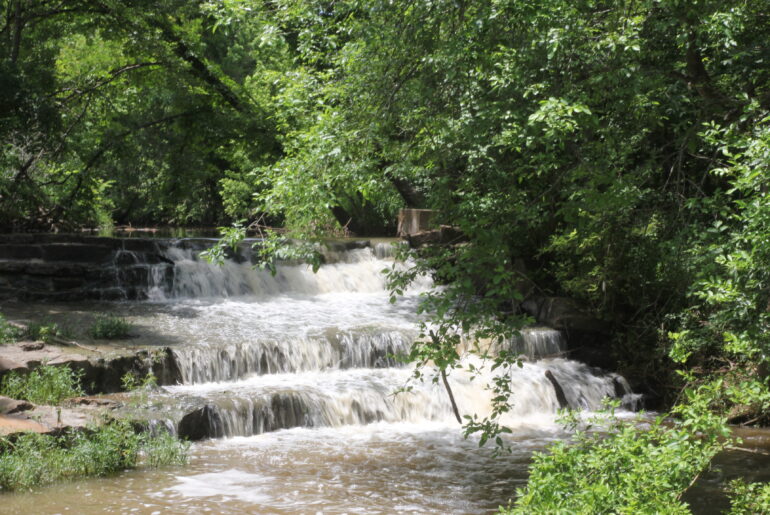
<point x="18" y="26"/>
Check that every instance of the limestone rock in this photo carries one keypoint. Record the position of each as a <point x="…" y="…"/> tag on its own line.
<point x="8" y="365"/>
<point x="10" y="424"/>
<point x="9" y="406"/>
<point x="101" y="402"/>
<point x="49" y="420"/>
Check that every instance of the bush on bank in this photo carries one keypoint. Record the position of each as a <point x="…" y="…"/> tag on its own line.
<point x="8" y="333"/>
<point x="632" y="467"/>
<point x="32" y="459"/>
<point x="44" y="385"/>
<point x="749" y="498"/>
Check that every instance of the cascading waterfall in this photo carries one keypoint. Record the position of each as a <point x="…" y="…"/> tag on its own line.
<point x="539" y="342"/>
<point x="361" y="396"/>
<point x="265" y="352"/>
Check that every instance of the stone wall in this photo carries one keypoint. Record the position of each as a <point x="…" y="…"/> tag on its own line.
<point x="71" y="267"/>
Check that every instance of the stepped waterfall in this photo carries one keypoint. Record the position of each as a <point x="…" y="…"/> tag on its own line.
<point x="265" y="352"/>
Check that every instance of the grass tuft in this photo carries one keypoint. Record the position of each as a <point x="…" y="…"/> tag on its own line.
<point x="44" y="332"/>
<point x="110" y="328"/>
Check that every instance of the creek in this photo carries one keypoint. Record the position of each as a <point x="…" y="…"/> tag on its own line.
<point x="289" y="382"/>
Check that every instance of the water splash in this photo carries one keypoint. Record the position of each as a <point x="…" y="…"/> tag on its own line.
<point x="264" y="403"/>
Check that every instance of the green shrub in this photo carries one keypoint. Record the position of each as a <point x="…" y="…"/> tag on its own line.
<point x="8" y="333"/>
<point x="163" y="449"/>
<point x="43" y="331"/>
<point x="110" y="328"/>
<point x="44" y="385"/>
<point x="749" y="499"/>
<point x="132" y="382"/>
<point x="34" y="459"/>
<point x="626" y="469"/>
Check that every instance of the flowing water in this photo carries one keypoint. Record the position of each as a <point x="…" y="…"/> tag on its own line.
<point x="294" y="379"/>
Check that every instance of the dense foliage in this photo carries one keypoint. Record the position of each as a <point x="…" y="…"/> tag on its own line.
<point x="613" y="153"/>
<point x="750" y="498"/>
<point x="133" y="113"/>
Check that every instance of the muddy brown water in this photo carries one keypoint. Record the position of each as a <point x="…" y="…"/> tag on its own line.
<point x="374" y="469"/>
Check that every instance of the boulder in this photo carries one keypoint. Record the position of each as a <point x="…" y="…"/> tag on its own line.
<point x="205" y="422"/>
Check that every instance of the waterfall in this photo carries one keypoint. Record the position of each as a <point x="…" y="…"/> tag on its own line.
<point x="263" y="352"/>
<point x="538" y="342"/>
<point x="269" y="402"/>
<point x="190" y="276"/>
